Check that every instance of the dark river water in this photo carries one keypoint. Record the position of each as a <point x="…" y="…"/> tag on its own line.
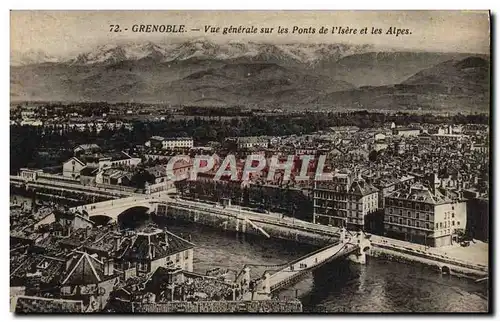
<point x="342" y="286"/>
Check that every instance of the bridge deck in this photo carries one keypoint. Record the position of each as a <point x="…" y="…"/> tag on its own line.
<point x="309" y="262"/>
<point x="71" y="187"/>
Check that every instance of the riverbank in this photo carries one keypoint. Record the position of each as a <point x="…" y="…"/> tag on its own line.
<point x="340" y="286"/>
<point x="282" y="227"/>
<point x="440" y="265"/>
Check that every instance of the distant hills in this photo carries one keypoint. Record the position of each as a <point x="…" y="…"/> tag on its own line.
<point x="453" y="85"/>
<point x="289" y="76"/>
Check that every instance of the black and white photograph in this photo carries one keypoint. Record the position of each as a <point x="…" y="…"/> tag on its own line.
<point x="248" y="162"/>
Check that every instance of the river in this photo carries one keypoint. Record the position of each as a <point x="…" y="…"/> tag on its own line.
<point x="342" y="286"/>
<point x="378" y="286"/>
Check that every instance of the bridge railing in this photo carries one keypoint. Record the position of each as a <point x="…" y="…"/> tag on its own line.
<point x="56" y="177"/>
<point x="116" y="203"/>
<point x="299" y="272"/>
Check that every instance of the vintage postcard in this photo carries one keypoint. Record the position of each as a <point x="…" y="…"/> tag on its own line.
<point x="249" y="161"/>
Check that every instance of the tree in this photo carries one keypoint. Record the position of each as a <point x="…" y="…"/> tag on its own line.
<point x="139" y="179"/>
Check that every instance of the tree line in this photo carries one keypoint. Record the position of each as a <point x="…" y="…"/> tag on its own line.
<point x="27" y="142"/>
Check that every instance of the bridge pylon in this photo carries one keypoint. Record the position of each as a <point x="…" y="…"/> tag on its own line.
<point x="364" y="245"/>
<point x="266" y="287"/>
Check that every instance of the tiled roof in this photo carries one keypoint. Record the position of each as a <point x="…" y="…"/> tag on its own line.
<point x="50" y="268"/>
<point x="152" y="245"/>
<point x="158" y="171"/>
<point x="84" y="269"/>
<point x="89" y="171"/>
<point x="29" y="304"/>
<point x="77" y="160"/>
<point x="360" y="187"/>
<point x="87" y="146"/>
<point x="420" y="193"/>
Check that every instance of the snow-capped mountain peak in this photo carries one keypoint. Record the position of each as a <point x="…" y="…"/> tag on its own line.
<point x="201" y="49"/>
<point x="18" y="58"/>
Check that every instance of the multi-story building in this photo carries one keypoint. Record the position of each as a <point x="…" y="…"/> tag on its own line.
<point x="423" y="216"/>
<point x="344" y="201"/>
<point x="249" y="142"/>
<point x="170" y="143"/>
<point x="406" y="132"/>
<point x="72" y="167"/>
<point x="182" y="142"/>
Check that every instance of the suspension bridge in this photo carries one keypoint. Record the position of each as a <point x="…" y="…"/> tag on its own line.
<point x="352" y="246"/>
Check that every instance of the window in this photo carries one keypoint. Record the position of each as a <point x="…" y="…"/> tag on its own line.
<point x="390" y="210"/>
<point x="409" y="222"/>
<point x="452" y="215"/>
<point x="409" y="214"/>
<point x="390" y="219"/>
<point x="427" y="217"/>
<point x="440" y="225"/>
<point x="417" y="224"/>
<point x="417" y="215"/>
<point x="458" y="223"/>
<point x="437" y="225"/>
<point x="400" y="221"/>
<point x="453" y="223"/>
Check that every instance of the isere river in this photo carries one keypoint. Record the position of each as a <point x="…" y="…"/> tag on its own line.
<point x="340" y="286"/>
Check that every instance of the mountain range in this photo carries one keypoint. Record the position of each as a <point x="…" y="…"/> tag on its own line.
<point x="256" y="74"/>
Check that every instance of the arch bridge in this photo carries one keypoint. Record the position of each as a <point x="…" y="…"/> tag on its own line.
<point x="114" y="208"/>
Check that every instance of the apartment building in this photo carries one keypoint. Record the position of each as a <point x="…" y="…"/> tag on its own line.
<point x="421" y="215"/>
<point x="344" y="201"/>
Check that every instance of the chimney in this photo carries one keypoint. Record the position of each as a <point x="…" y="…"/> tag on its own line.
<point x="109" y="267"/>
<point x="117" y="242"/>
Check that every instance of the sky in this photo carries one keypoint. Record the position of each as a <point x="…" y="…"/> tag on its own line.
<point x="70" y="32"/>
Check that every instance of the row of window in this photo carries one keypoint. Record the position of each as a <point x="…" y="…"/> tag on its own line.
<point x="447" y="224"/>
<point x="333" y="196"/>
<point x="334" y="213"/>
<point x="350" y="206"/>
<point x="408" y="214"/>
<point x="410" y="222"/>
<point x="415" y="231"/>
<point x="426" y="225"/>
<point x="408" y="204"/>
<point x="447" y="215"/>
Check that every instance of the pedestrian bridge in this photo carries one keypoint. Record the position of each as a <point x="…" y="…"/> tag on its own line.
<point x="354" y="247"/>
